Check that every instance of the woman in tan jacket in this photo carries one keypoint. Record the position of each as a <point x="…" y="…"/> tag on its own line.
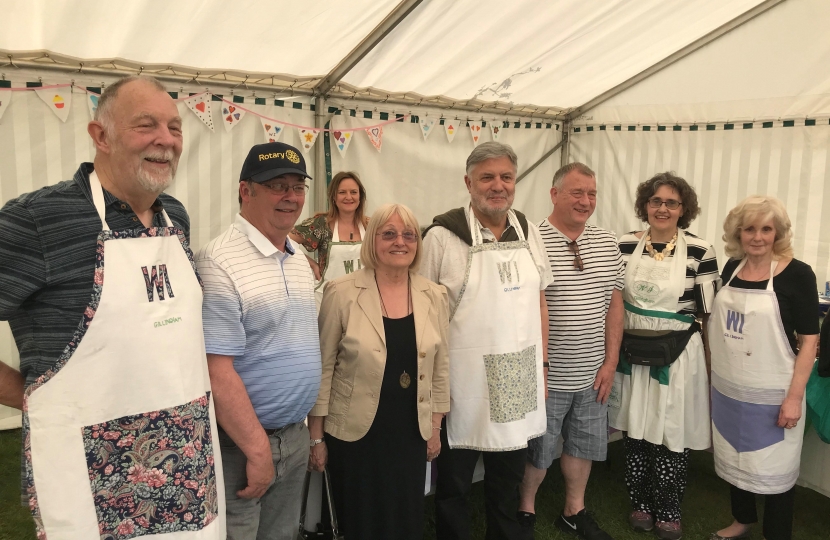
<point x="385" y="383"/>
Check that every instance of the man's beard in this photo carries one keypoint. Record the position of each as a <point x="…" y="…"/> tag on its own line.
<point x="480" y="204"/>
<point x="156" y="183"/>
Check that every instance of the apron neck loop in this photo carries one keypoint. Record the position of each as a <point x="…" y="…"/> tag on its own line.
<point x="335" y="232"/>
<point x="98" y="199"/>
<point x="772" y="266"/>
<point x="475" y="229"/>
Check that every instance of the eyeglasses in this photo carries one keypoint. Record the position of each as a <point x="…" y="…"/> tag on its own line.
<point x="657" y="202"/>
<point x="282" y="189"/>
<point x="574" y="247"/>
<point x="390" y="236"/>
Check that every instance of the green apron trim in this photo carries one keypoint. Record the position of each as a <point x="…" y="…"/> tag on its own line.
<point x="658" y="314"/>
<point x="659" y="374"/>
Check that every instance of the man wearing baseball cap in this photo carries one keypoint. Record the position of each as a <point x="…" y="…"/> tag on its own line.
<point x="263" y="353"/>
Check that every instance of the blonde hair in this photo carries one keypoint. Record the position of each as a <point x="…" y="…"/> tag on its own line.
<point x="367" y="251"/>
<point x="752" y="210"/>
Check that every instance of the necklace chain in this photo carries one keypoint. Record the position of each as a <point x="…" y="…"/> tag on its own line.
<point x="653" y="253"/>
<point x="408" y="296"/>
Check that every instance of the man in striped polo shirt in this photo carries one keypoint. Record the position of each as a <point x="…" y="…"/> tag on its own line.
<point x="260" y="322"/>
<point x="585" y="324"/>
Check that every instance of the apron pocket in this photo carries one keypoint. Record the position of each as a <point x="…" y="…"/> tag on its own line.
<point x="746" y="426"/>
<point x="153" y="473"/>
<point x="512" y="382"/>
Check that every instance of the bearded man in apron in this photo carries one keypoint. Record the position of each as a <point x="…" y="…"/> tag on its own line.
<point x="493" y="264"/>
<point x="119" y="430"/>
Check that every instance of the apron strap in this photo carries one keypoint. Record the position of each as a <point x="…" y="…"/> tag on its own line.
<point x="475" y="232"/>
<point x="98" y="199"/>
<point x="772" y="266"/>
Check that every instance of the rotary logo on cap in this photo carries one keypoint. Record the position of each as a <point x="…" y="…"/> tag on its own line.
<point x="270" y="160"/>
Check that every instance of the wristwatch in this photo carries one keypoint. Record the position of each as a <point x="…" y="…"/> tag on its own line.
<point x="315" y="442"/>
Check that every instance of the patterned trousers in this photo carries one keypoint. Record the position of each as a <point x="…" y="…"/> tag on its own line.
<point x="656" y="478"/>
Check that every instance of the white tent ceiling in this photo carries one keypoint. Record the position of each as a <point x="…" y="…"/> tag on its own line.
<point x="556" y="55"/>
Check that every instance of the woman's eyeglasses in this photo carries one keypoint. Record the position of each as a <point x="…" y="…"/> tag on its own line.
<point x="657" y="202"/>
<point x="390" y="236"/>
<point x="574" y="247"/>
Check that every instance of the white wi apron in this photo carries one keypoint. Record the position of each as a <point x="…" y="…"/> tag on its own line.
<point x="752" y="368"/>
<point x="670" y="405"/>
<point x="496" y="384"/>
<point x="120" y="436"/>
<point x="342" y="259"/>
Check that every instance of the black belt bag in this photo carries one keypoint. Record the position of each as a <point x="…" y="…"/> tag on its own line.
<point x="655" y="347"/>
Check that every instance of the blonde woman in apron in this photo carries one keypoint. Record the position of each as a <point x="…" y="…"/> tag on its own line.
<point x="759" y="372"/>
<point x="336" y="235"/>
<point x="671" y="276"/>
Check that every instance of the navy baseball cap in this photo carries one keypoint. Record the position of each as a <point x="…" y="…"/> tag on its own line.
<point x="269" y="160"/>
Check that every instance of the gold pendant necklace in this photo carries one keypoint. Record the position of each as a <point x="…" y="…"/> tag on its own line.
<point x="653" y="253"/>
<point x="405" y="380"/>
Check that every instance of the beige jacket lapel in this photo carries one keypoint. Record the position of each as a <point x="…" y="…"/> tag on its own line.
<point x="369" y="301"/>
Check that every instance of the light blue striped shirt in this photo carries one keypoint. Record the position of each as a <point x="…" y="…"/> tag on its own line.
<point x="259" y="308"/>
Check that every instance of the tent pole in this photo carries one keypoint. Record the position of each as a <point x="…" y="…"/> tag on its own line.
<point x="565" y="156"/>
<point x="540" y="160"/>
<point x="319" y="185"/>
<point x="365" y="47"/>
<point x="682" y="53"/>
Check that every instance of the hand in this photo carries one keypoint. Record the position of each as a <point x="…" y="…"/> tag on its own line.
<point x="790" y="413"/>
<point x="318" y="457"/>
<point x="260" y="473"/>
<point x="604" y="382"/>
<point x="434" y="445"/>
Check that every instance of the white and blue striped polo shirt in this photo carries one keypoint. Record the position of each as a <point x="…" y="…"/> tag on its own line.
<point x="259" y="308"/>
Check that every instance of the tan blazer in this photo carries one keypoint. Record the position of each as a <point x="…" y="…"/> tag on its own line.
<point x="353" y="346"/>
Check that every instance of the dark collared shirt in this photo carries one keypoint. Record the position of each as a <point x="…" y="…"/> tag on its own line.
<point x="47" y="262"/>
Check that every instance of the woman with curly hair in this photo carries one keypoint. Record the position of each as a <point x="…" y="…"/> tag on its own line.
<point x="660" y="396"/>
<point x="763" y="335"/>
<point x="336" y="235"/>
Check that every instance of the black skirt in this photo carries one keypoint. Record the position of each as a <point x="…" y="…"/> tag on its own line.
<point x="378" y="481"/>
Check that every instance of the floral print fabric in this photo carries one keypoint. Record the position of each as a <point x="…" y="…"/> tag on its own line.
<point x="153" y="473"/>
<point x="511" y="378"/>
<point x="316" y="236"/>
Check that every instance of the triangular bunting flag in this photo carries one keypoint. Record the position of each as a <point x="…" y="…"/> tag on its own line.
<point x="427" y="126"/>
<point x="200" y="105"/>
<point x="375" y="136"/>
<point x="5" y="99"/>
<point x="59" y="100"/>
<point x="495" y="129"/>
<point x="272" y="130"/>
<point x="475" y="130"/>
<point x="451" y="127"/>
<point x="231" y="115"/>
<point x="92" y="104"/>
<point x="342" y="139"/>
<point x="307" y="138"/>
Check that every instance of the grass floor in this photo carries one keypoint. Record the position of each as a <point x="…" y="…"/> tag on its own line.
<point x="705" y="507"/>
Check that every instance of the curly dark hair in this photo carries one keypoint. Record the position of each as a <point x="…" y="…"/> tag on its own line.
<point x="688" y="197"/>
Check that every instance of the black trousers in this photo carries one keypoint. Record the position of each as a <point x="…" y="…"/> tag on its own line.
<point x="778" y="512"/>
<point x="656" y="478"/>
<point x="504" y="472"/>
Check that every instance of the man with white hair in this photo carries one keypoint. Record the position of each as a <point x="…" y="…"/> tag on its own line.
<point x="106" y="309"/>
<point x="493" y="264"/>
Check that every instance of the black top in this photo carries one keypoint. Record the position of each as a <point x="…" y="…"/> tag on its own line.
<point x="824" y="342"/>
<point x="795" y="289"/>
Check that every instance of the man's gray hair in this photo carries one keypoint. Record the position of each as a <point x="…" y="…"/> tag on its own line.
<point x="490" y="150"/>
<point x="581" y="168"/>
<point x="103" y="113"/>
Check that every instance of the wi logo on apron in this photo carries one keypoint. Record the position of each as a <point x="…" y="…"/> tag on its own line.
<point x="158" y="279"/>
<point x="349" y="266"/>
<point x="735" y="321"/>
<point x="506" y="272"/>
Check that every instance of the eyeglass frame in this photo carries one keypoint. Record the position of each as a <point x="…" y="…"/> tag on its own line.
<point x="414" y="237"/>
<point x="662" y="202"/>
<point x="574" y="248"/>
<point x="288" y="187"/>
